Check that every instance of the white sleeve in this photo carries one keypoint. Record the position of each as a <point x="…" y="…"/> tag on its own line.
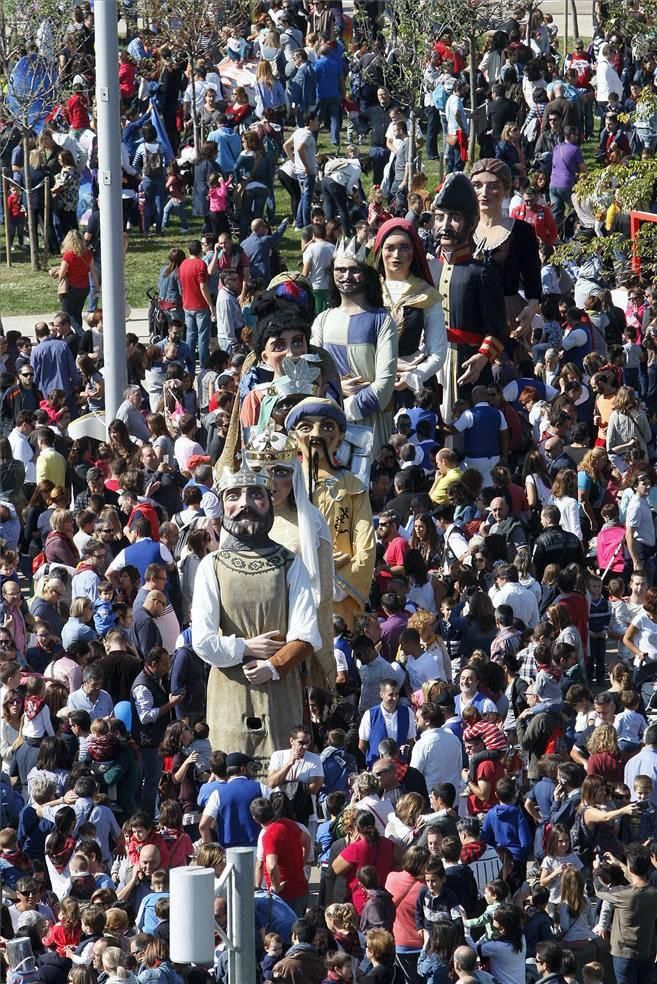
<point x="464" y="422"/>
<point x="213" y="648"/>
<point x="435" y="347"/>
<point x="212" y="805"/>
<point x="417" y="756"/>
<point x="365" y="728"/>
<point x="341" y="664"/>
<point x="503" y="424"/>
<point x="574" y="338"/>
<point x="165" y="554"/>
<point x="117" y="564"/>
<point x="302" y="625"/>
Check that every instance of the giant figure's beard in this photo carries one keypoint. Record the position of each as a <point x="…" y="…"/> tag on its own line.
<point x="249" y="525"/>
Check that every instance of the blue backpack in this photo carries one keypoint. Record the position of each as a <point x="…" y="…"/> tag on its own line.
<point x="338" y="765"/>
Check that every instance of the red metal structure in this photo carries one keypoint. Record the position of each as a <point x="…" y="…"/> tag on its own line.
<point x="636" y="219"/>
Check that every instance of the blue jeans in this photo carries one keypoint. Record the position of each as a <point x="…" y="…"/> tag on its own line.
<point x="433" y="129"/>
<point x="331" y="117"/>
<point x="336" y="203"/>
<point x="178" y="208"/>
<point x="306" y="187"/>
<point x="380" y="157"/>
<point x="154" y="189"/>
<point x="151" y="769"/>
<point x="634" y="971"/>
<point x="253" y="207"/>
<point x="198" y="326"/>
<point x="560" y="198"/>
<point x="651" y="392"/>
<point x="454" y="162"/>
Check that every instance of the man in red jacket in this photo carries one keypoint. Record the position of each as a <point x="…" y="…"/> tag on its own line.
<point x="539" y="217"/>
<point x="77" y="112"/>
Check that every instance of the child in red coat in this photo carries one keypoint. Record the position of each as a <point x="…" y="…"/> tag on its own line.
<point x="67" y="931"/>
<point x="16" y="214"/>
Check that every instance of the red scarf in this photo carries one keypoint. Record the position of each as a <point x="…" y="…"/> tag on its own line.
<point x="32" y="707"/>
<point x="59" y="859"/>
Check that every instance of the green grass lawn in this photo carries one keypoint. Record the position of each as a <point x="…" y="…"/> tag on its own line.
<point x="23" y="292"/>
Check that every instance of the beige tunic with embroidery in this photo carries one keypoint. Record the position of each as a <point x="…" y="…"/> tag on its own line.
<point x="254" y="598"/>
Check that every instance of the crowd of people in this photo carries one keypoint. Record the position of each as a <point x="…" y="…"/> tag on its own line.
<point x="363" y="574"/>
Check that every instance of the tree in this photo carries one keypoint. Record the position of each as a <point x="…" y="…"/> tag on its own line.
<point x="470" y="20"/>
<point x="32" y="78"/>
<point x="194" y="27"/>
<point x="407" y="36"/>
<point x="631" y="186"/>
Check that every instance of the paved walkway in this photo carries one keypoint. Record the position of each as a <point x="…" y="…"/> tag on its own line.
<point x="24" y="323"/>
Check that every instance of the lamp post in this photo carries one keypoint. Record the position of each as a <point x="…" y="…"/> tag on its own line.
<point x="112" y="248"/>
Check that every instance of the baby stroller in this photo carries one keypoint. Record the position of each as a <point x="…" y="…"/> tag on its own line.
<point x="157" y="319"/>
<point x="645" y="683"/>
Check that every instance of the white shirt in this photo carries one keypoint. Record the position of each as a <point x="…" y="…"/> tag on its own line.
<point x="522" y="601"/>
<point x="23" y="451"/>
<point x="645" y="638"/>
<point x="345" y="171"/>
<point x="304" y="138"/>
<point x="391" y="723"/>
<point x="184" y="449"/>
<point x="319" y="255"/>
<point x="438" y="755"/>
<point x="306" y="769"/>
<point x="457" y="544"/>
<point x="424" y="667"/>
<point x="570" y="517"/>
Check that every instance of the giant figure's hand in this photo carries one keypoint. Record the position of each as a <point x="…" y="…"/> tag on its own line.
<point x="472" y="369"/>
<point x="258" y="672"/>
<point x="263" y="646"/>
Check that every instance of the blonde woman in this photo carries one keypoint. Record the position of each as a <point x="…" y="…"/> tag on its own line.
<point x="60" y="547"/>
<point x="74" y="273"/>
<point x="628" y="428"/>
<point x="403" y="828"/>
<point x="269" y="93"/>
<point x="605" y="757"/>
<point x="592" y="478"/>
<point x="425" y="623"/>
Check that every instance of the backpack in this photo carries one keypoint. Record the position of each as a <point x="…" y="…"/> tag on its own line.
<point x="581" y="839"/>
<point x="185" y="529"/>
<point x="38" y="561"/>
<point x="336" y="770"/>
<point x="153" y="163"/>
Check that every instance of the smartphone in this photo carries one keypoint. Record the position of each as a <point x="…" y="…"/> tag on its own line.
<point x="166" y="459"/>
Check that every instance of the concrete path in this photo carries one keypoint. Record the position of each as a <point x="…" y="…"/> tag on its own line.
<point x="24" y="323"/>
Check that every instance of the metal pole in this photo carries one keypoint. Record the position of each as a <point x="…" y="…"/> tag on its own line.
<point x="565" y="35"/>
<point x="109" y="199"/>
<point x="46" y="218"/>
<point x="241" y="915"/>
<point x="6" y="214"/>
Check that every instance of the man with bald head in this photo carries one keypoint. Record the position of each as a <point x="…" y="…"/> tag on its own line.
<point x="502" y="523"/>
<point x="556" y="457"/>
<point x="145" y="632"/>
<point x="465" y="965"/>
<point x="137" y="883"/>
<point x="447" y="471"/>
<point x="259" y="245"/>
<point x="485" y="434"/>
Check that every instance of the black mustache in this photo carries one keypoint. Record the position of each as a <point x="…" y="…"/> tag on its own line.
<point x="246" y="514"/>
